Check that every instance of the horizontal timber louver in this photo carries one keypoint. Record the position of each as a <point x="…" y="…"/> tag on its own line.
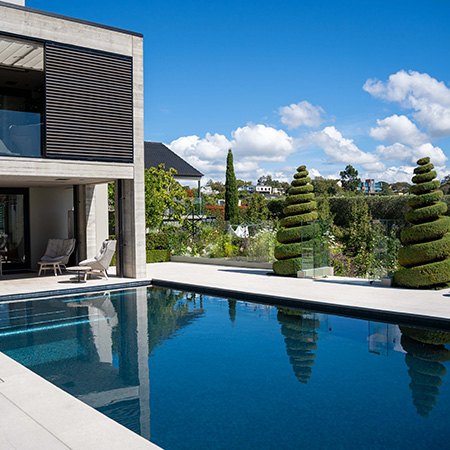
<point x="89" y="105"/>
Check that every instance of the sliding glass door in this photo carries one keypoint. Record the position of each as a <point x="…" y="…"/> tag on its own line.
<point x="14" y="229"/>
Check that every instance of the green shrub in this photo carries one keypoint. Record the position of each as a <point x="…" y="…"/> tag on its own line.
<point x="157" y="241"/>
<point x="154" y="256"/>
<point x="425" y="264"/>
<point x="300" y="208"/>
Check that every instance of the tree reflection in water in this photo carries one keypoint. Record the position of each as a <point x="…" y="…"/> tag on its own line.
<point x="425" y="354"/>
<point x="298" y="328"/>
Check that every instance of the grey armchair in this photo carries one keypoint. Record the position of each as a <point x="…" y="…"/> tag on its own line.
<point x="57" y="254"/>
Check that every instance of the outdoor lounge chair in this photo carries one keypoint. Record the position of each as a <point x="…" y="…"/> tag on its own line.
<point x="100" y="263"/>
<point x="57" y="254"/>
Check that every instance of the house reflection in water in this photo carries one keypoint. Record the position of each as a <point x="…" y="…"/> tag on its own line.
<point x="97" y="347"/>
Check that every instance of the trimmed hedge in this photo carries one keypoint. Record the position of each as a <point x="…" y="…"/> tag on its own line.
<point x="287" y="267"/>
<point x="419" y="201"/>
<point x="424" y="177"/>
<point x="154" y="256"/>
<point x="427" y="231"/>
<point x="295" y="221"/>
<point x="300" y="208"/>
<point x="285" y="251"/>
<point x="157" y="241"/>
<point x="425" y="252"/>
<point x="425" y="264"/>
<point x="300" y="198"/>
<point x="288" y="235"/>
<point x="427" y="275"/>
<point x="426" y="214"/>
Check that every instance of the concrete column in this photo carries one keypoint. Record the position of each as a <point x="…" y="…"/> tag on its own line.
<point x="87" y="230"/>
<point x="133" y="218"/>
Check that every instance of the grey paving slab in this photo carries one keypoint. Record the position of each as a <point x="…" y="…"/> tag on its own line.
<point x="35" y="414"/>
<point x="434" y="304"/>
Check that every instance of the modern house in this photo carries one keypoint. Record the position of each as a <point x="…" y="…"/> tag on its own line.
<point x="71" y="121"/>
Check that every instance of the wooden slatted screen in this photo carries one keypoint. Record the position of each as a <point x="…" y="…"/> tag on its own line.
<point x="89" y="105"/>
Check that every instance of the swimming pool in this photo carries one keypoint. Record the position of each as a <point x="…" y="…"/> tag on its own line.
<point x="191" y="371"/>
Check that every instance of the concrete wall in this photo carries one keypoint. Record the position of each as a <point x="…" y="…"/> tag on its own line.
<point x="32" y="24"/>
<point x="49" y="209"/>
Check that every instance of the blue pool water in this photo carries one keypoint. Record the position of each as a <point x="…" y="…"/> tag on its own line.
<point x="190" y="371"/>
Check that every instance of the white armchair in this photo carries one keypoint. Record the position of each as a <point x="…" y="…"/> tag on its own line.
<point x="101" y="262"/>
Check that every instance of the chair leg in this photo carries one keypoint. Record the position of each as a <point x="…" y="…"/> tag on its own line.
<point x="40" y="270"/>
<point x="105" y="274"/>
<point x="54" y="270"/>
<point x="59" y="268"/>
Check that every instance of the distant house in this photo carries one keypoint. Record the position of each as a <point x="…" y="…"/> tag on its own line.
<point x="370" y="187"/>
<point x="265" y="190"/>
<point x="156" y="153"/>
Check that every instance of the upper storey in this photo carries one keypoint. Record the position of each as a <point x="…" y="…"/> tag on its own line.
<point x="69" y="89"/>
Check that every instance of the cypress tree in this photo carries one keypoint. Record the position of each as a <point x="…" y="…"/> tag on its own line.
<point x="231" y="193"/>
<point x="299" y="207"/>
<point x="425" y="258"/>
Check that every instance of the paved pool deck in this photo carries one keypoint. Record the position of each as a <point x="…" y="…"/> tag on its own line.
<point x="34" y="414"/>
<point x="336" y="295"/>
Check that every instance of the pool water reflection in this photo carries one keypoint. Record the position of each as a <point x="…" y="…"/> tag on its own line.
<point x="190" y="371"/>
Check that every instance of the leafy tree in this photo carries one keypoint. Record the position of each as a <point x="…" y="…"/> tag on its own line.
<point x="385" y="189"/>
<point x="231" y="193"/>
<point x="265" y="180"/>
<point x="445" y="185"/>
<point x="257" y="210"/>
<point x="323" y="186"/>
<point x="242" y="183"/>
<point x="349" y="179"/>
<point x="163" y="196"/>
<point x="400" y="187"/>
<point x="216" y="185"/>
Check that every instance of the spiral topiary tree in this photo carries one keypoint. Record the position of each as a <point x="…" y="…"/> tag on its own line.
<point x="299" y="207"/>
<point x="425" y="258"/>
<point x="425" y="355"/>
<point x="299" y="331"/>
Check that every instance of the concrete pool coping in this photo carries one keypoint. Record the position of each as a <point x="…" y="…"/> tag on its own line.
<point x="35" y="414"/>
<point x="334" y="295"/>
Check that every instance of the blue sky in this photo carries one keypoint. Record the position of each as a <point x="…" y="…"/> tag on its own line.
<point x="320" y="82"/>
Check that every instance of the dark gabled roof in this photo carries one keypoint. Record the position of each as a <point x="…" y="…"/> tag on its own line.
<point x="157" y="153"/>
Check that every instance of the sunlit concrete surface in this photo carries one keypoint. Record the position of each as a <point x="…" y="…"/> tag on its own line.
<point x="16" y="286"/>
<point x="35" y="414"/>
<point x="340" y="292"/>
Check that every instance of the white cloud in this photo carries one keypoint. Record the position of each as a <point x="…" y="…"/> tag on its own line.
<point x="342" y="150"/>
<point x="250" y="144"/>
<point x="301" y="114"/>
<point x="410" y="155"/>
<point x="262" y="143"/>
<point x="398" y="129"/>
<point x="418" y="91"/>
<point x="393" y="174"/>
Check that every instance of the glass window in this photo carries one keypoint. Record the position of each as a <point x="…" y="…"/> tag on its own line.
<point x="21" y="97"/>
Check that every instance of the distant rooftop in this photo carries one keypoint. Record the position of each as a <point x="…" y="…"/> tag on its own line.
<point x="157" y="153"/>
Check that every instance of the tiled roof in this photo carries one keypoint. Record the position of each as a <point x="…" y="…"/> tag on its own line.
<point x="157" y="153"/>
